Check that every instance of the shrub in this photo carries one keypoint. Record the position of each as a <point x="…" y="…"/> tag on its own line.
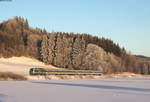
<point x="11" y="76"/>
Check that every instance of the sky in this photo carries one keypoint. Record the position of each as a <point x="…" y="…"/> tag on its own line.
<point x="126" y="22"/>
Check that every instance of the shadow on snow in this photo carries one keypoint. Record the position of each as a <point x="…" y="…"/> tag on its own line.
<point x="97" y="86"/>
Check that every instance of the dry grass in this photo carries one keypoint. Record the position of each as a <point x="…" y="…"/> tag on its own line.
<point x="11" y="76"/>
<point x="60" y="77"/>
<point x="124" y="75"/>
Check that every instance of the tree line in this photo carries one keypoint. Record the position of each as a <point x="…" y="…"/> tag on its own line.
<point x="68" y="50"/>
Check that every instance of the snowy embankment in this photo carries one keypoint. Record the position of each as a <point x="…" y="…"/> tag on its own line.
<point x="21" y="66"/>
<point x="85" y="90"/>
<point x="117" y="75"/>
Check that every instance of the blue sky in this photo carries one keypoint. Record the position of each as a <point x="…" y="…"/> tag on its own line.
<point x="126" y="22"/>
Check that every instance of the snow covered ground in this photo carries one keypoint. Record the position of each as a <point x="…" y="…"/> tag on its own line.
<point x="81" y="90"/>
<point x="20" y="65"/>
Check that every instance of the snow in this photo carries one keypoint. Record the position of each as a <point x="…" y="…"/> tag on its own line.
<point x="81" y="90"/>
<point x="20" y="65"/>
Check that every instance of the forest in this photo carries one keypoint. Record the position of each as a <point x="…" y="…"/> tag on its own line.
<point x="67" y="50"/>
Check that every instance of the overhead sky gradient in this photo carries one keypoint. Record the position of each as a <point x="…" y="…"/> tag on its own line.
<point x="126" y="22"/>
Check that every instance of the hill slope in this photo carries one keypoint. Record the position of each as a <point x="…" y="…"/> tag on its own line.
<point x="20" y="65"/>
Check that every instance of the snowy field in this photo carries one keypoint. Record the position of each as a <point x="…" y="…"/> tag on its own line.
<point x="85" y="90"/>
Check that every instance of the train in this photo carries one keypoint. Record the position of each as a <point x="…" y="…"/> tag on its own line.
<point x="45" y="71"/>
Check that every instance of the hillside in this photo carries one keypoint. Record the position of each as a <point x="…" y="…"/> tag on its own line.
<point x="66" y="50"/>
<point x="144" y="58"/>
<point x="20" y="65"/>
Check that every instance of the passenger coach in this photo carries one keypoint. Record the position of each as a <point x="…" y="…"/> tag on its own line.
<point x="44" y="71"/>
